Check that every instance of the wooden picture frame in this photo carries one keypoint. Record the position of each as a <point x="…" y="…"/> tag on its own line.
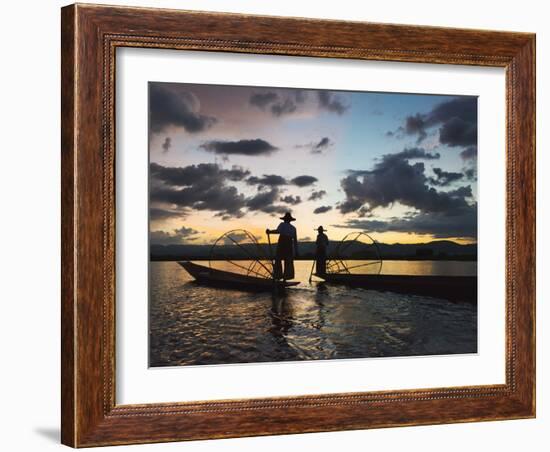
<point x="90" y="36"/>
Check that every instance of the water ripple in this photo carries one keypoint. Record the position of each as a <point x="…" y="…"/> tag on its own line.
<point x="191" y="325"/>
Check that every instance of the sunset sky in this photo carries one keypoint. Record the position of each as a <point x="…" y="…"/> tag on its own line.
<point x="399" y="166"/>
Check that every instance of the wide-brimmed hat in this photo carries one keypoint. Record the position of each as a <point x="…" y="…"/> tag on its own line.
<point x="288" y="217"/>
<point x="321" y="229"/>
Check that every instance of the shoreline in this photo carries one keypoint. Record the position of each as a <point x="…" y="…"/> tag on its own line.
<point x="311" y="258"/>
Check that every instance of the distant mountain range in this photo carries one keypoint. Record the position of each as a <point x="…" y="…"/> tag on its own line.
<point x="436" y="250"/>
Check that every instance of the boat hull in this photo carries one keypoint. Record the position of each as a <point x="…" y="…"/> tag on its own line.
<point x="228" y="280"/>
<point x="454" y="288"/>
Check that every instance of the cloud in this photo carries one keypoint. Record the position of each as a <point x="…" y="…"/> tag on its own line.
<point x="170" y="105"/>
<point x="157" y="213"/>
<point x="262" y="100"/>
<point x="469" y="153"/>
<point x="317" y="147"/>
<point x="243" y="147"/>
<point x="284" y="107"/>
<point x="322" y="209"/>
<point x="463" y="223"/>
<point x="395" y="179"/>
<point x="303" y="181"/>
<point x="322" y="145"/>
<point x="285" y="101"/>
<point x="292" y="200"/>
<point x="270" y="180"/>
<point x="274" y="180"/>
<point x="167" y="144"/>
<point x="236" y="173"/>
<point x="315" y="195"/>
<point x="458" y="132"/>
<point x="300" y="95"/>
<point x="176" y="237"/>
<point x="416" y="125"/>
<point x="280" y="103"/>
<point x="412" y="153"/>
<point x="201" y="187"/>
<point x="471" y="174"/>
<point x="456" y="118"/>
<point x="444" y="178"/>
<point x="265" y="202"/>
<point x="331" y="102"/>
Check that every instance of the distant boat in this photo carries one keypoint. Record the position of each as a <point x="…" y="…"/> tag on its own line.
<point x="228" y="280"/>
<point x="454" y="288"/>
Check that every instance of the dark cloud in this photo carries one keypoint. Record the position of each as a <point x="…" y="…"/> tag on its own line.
<point x="317" y="147"/>
<point x="262" y="100"/>
<point x="322" y="209"/>
<point x="457" y="132"/>
<point x="176" y="237"/>
<point x="157" y="213"/>
<point x="170" y="105"/>
<point x="204" y="173"/>
<point x="444" y="178"/>
<point x="283" y="102"/>
<point x="303" y="181"/>
<point x="416" y="125"/>
<point x="331" y="102"/>
<point x="456" y="118"/>
<point x="201" y="187"/>
<point x="274" y="180"/>
<point x="244" y="147"/>
<point x="469" y="153"/>
<point x="300" y="95"/>
<point x="322" y="145"/>
<point x="471" y="174"/>
<point x="394" y="179"/>
<point x="461" y="192"/>
<point x="269" y="180"/>
<point x="315" y="195"/>
<point x="292" y="200"/>
<point x="405" y="154"/>
<point x="284" y="107"/>
<point x="462" y="223"/>
<point x="265" y="202"/>
<point x="236" y="173"/>
<point x="279" y="103"/>
<point x="412" y="153"/>
<point x="167" y="144"/>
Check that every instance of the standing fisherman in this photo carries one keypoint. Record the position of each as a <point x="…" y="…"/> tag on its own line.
<point x="287" y="248"/>
<point x="321" y="251"/>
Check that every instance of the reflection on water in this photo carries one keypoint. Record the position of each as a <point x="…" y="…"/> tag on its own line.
<point x="191" y="324"/>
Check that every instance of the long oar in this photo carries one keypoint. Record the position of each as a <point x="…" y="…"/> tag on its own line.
<point x="311" y="272"/>
<point x="272" y="263"/>
<point x="271" y="253"/>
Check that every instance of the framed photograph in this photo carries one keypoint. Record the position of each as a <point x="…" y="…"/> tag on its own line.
<point x="281" y="225"/>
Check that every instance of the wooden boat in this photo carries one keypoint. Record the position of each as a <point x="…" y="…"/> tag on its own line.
<point x="228" y="280"/>
<point x="454" y="288"/>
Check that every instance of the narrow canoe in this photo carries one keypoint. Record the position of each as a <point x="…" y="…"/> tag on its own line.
<point x="455" y="288"/>
<point x="229" y="280"/>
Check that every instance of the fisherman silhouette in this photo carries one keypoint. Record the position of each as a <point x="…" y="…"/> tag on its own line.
<point x="321" y="251"/>
<point x="287" y="248"/>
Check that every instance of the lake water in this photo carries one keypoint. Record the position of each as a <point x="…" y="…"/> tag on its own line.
<point x="195" y="325"/>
